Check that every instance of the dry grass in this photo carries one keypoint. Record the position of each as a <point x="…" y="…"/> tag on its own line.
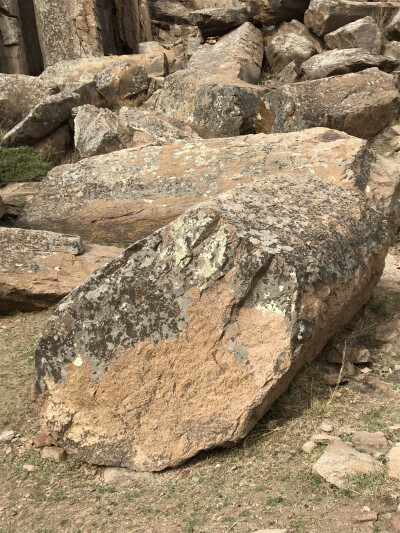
<point x="14" y="111"/>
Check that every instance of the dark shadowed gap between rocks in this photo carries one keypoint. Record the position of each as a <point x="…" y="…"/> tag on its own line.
<point x="31" y="39"/>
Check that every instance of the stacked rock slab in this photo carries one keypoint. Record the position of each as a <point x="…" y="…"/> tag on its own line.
<point x="39" y="268"/>
<point x="183" y="342"/>
<point x="363" y="33"/>
<point x="72" y="29"/>
<point x="124" y="196"/>
<point x="361" y="104"/>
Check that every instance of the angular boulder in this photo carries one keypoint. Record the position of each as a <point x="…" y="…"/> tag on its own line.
<point x="39" y="268"/>
<point x="216" y="94"/>
<point x="292" y="41"/>
<point x="183" y="342"/>
<point x="126" y="195"/>
<point x="2" y="208"/>
<point x="42" y="120"/>
<point x="218" y="20"/>
<point x="337" y="62"/>
<point x="120" y="81"/>
<point x="324" y="17"/>
<point x="361" y="104"/>
<point x="28" y="90"/>
<point x="363" y="33"/>
<point x="272" y="12"/>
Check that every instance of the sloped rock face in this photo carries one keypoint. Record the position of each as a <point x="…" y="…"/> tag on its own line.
<point x="2" y="208"/>
<point x="277" y="11"/>
<point x="39" y="268"/>
<point x="29" y="90"/>
<point x="74" y="29"/>
<point x="215" y="95"/>
<point x="363" y="33"/>
<point x="126" y="195"/>
<point x="193" y="332"/>
<point x="218" y="20"/>
<point x="361" y="104"/>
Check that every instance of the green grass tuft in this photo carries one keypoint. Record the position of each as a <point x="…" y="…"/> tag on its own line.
<point x="22" y="164"/>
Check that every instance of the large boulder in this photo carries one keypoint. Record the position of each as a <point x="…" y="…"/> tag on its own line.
<point x="272" y="12"/>
<point x="218" y="20"/>
<point x="39" y="268"/>
<point x="291" y="41"/>
<point x="336" y="62"/>
<point x="216" y="94"/>
<point x="363" y="33"/>
<point x="42" y="120"/>
<point x="183" y="342"/>
<point x="126" y="195"/>
<point x="324" y="17"/>
<point x="100" y="131"/>
<point x="361" y="104"/>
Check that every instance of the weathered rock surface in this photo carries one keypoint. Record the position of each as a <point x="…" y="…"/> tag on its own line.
<point x="121" y="81"/>
<point x="291" y="41"/>
<point x="194" y="331"/>
<point x="392" y="49"/>
<point x="361" y="104"/>
<point x="393" y="29"/>
<point x="42" y="120"/>
<point x="38" y="268"/>
<point x="394" y="463"/>
<point x="218" y="20"/>
<point x="74" y="29"/>
<point x="277" y="11"/>
<point x="28" y="90"/>
<point x="370" y="442"/>
<point x="100" y="131"/>
<point x="339" y="461"/>
<point x="2" y="208"/>
<point x="336" y="62"/>
<point x="363" y="33"/>
<point x="324" y="17"/>
<point x="130" y="193"/>
<point x="214" y="95"/>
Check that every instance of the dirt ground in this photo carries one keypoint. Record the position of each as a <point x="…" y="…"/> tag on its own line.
<point x="265" y="482"/>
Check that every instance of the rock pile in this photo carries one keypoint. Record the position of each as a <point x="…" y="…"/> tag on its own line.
<point x="239" y="152"/>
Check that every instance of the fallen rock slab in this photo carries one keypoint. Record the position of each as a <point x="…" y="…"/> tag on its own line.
<point x="194" y="331"/>
<point x="340" y="461"/>
<point x="38" y="268"/>
<point x="273" y="12"/>
<point x="363" y="33"/>
<point x="124" y="196"/>
<point x="370" y="442"/>
<point x="218" y="20"/>
<point x="361" y="104"/>
<point x="337" y="62"/>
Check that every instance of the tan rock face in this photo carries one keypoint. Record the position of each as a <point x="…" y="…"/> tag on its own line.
<point x="38" y="268"/>
<point x="193" y="332"/>
<point x="361" y="104"/>
<point x="339" y="461"/>
<point x="74" y="29"/>
<point x="125" y="195"/>
<point x="2" y="208"/>
<point x="363" y="33"/>
<point x="370" y="442"/>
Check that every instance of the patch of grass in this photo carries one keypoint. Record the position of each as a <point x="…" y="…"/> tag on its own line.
<point x="273" y="502"/>
<point x="22" y="164"/>
<point x="385" y="302"/>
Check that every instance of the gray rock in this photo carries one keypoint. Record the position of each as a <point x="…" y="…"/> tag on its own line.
<point x="363" y="33"/>
<point x="42" y="120"/>
<point x="187" y="334"/>
<point x="219" y="20"/>
<point x="336" y="62"/>
<point x="292" y="41"/>
<point x="393" y="29"/>
<point x="120" y="81"/>
<point x="126" y="195"/>
<point x="392" y="49"/>
<point x="2" y="208"/>
<point x="6" y="435"/>
<point x="96" y="131"/>
<point x="325" y="17"/>
<point x="361" y="104"/>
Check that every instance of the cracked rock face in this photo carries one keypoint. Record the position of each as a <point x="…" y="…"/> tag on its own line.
<point x="183" y="342"/>
<point x="126" y="195"/>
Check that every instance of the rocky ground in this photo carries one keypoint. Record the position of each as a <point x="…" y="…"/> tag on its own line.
<point x="268" y="481"/>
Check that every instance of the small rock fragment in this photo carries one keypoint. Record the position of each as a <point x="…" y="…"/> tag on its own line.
<point x="8" y="434"/>
<point x="309" y="446"/>
<point x="371" y="516"/>
<point x="53" y="453"/>
<point x="323" y="438"/>
<point x="42" y="439"/>
<point x="29" y="468"/>
<point x="326" y="427"/>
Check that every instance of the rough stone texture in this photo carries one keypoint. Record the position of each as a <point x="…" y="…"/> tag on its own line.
<point x="370" y="442"/>
<point x="2" y="208"/>
<point x="96" y="131"/>
<point x="38" y="268"/>
<point x="325" y="17"/>
<point x="392" y="49"/>
<point x="391" y="275"/>
<point x="214" y="94"/>
<point x="120" y="81"/>
<point x="291" y="41"/>
<point x="218" y="20"/>
<point x="42" y="120"/>
<point x="340" y="460"/>
<point x="393" y="29"/>
<point x="336" y="62"/>
<point x="53" y="453"/>
<point x="130" y="193"/>
<point x="80" y="75"/>
<point x="28" y="90"/>
<point x="363" y="33"/>
<point x="100" y="131"/>
<point x="272" y="12"/>
<point x="361" y="104"/>
<point x="194" y="331"/>
<point x="73" y="29"/>
<point x="393" y="465"/>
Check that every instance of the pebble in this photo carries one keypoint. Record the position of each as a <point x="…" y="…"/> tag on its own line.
<point x="29" y="468"/>
<point x="326" y="427"/>
<point x="53" y="453"/>
<point x="8" y="434"/>
<point x="366" y="516"/>
<point x="309" y="446"/>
